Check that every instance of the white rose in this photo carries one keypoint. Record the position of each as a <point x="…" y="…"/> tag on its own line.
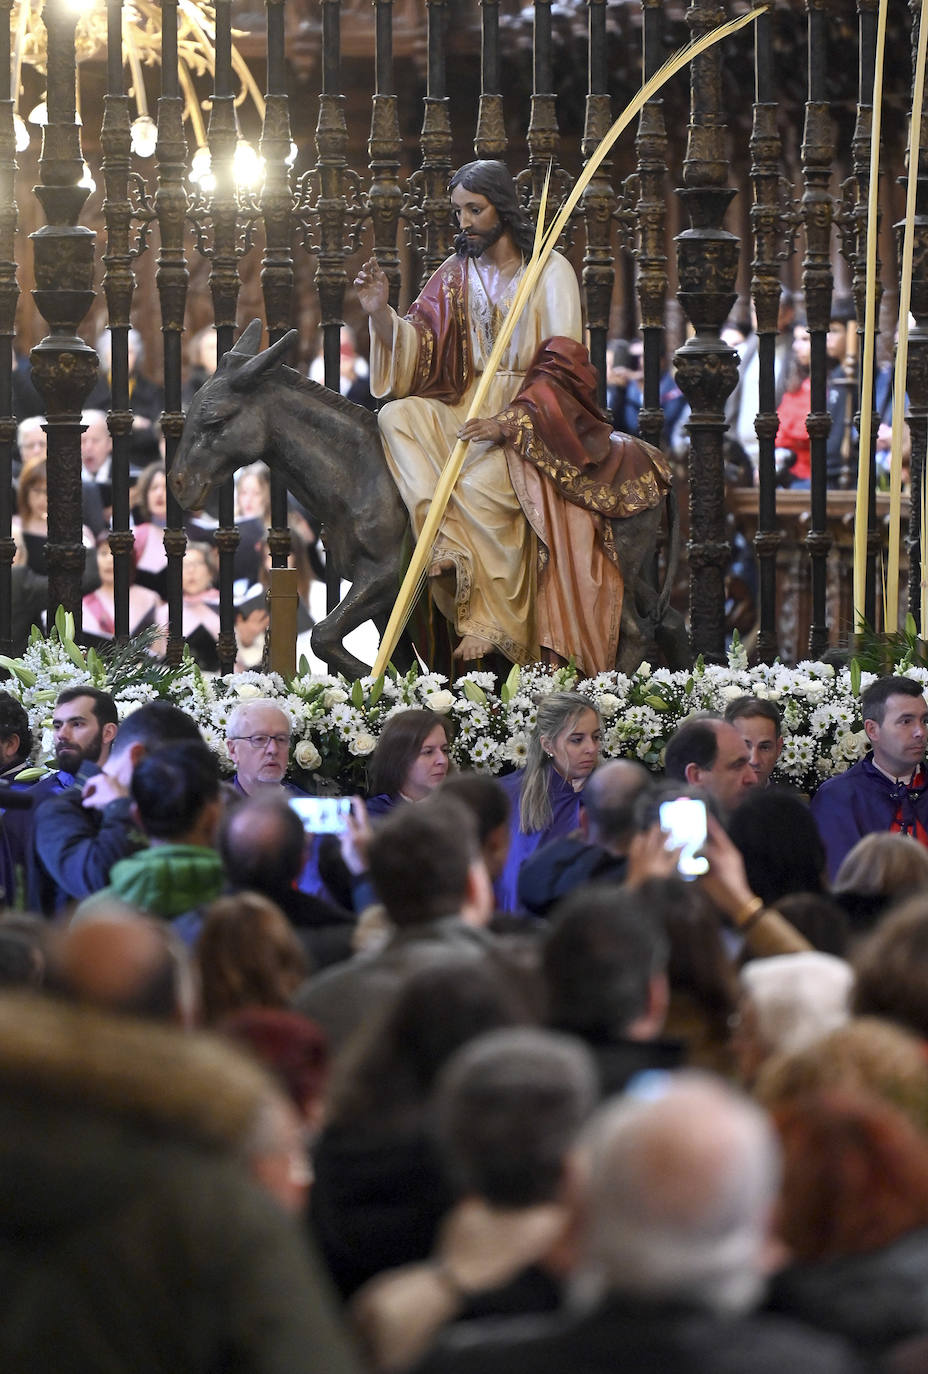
<point x="333" y="696"/>
<point x="439" y="701"/>
<point x="244" y="690"/>
<point x="307" y="755"/>
<point x="362" y="744"/>
<point x="608" y="704"/>
<point x="731" y="692"/>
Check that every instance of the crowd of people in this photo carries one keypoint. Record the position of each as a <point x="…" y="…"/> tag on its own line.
<point x="504" y="1074"/>
<point x="148" y="591"/>
<point x="792" y="388"/>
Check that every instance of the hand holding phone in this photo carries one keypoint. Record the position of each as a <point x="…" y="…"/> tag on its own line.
<point x="322" y="815"/>
<point x="684" y="822"/>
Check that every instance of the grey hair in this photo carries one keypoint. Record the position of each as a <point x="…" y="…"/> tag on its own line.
<point x="679" y="1192"/>
<point x="236" y="722"/>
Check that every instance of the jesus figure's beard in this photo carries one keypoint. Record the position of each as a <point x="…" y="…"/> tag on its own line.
<point x="475" y="245"/>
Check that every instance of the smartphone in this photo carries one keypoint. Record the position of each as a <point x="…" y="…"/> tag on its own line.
<point x="684" y="821"/>
<point x="322" y="815"/>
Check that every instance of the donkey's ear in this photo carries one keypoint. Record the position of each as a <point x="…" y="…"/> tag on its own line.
<point x="250" y="372"/>
<point x="249" y="341"/>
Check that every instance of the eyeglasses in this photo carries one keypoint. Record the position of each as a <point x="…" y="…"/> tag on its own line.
<point x="262" y="741"/>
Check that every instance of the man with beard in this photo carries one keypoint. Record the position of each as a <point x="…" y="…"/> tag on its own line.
<point x="83" y="728"/>
<point x="524" y="562"/>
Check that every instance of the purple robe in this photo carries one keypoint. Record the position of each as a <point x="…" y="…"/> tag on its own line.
<point x="861" y="801"/>
<point x="565" y="808"/>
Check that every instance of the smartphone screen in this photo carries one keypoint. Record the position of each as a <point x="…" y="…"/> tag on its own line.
<point x="322" y="815"/>
<point x="684" y="822"/>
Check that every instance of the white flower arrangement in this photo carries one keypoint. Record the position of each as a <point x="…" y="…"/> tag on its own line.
<point x="336" y="722"/>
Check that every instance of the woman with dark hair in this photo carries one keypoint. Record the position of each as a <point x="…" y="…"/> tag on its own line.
<point x="779" y="842"/>
<point x="411" y="759"/>
<point x="562" y="753"/>
<point x="853" y="1213"/>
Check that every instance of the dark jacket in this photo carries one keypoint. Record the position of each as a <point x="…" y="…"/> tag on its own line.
<point x="376" y="1201"/>
<point x="131" y="1236"/>
<point x="875" y="1300"/>
<point x="557" y="868"/>
<point x="859" y="802"/>
<point x="637" y="1337"/>
<point x="77" y="845"/>
<point x="340" y="998"/>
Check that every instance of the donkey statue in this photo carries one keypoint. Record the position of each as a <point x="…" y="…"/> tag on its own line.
<point x="329" y="452"/>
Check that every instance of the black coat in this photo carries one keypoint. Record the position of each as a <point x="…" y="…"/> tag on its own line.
<point x="636" y="1337"/>
<point x="557" y="868"/>
<point x="876" y="1300"/>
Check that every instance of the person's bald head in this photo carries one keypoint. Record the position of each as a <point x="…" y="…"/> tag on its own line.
<point x="609" y="803"/>
<point x="262" y="843"/>
<point x="679" y="1191"/>
<point x="125" y="963"/>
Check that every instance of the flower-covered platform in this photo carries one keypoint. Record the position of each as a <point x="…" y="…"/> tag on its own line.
<point x="336" y="722"/>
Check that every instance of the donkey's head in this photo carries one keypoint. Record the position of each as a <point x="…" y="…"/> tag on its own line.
<point x="227" y="423"/>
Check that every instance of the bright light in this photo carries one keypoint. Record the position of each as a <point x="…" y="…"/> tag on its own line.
<point x="292" y="155"/>
<point x="87" y="180"/>
<point x="144" y="136"/>
<point x="39" y="115"/>
<point x="20" y="133"/>
<point x="247" y="165"/>
<point x="200" y="170"/>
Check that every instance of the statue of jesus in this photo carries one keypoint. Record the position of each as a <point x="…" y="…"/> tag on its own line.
<point x="524" y="562"/>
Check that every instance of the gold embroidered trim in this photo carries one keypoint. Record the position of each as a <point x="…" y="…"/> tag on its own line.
<point x="634" y="495"/>
<point x="425" y="354"/>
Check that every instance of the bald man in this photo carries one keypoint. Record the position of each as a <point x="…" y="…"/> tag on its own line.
<point x="597" y="854"/>
<point x="123" y="962"/>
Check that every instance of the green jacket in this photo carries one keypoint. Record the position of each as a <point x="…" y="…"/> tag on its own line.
<point x="165" y="880"/>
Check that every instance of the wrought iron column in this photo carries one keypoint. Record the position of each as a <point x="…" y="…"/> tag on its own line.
<point x="542" y="136"/>
<point x="767" y="226"/>
<point x="227" y="247"/>
<point x="706" y="368"/>
<point x="490" y="138"/>
<point x="860" y="150"/>
<point x="118" y="286"/>
<point x="651" y="147"/>
<point x="329" y="202"/>
<point x="63" y="366"/>
<point x="9" y="295"/>
<point x="598" y="201"/>
<point x="171" y="279"/>
<point x="428" y="187"/>
<point x="917" y="373"/>
<point x="817" y="285"/>
<point x="277" y="264"/>
<point x="385" y="197"/>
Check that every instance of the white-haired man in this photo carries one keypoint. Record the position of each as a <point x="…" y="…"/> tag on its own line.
<point x="674" y="1195"/>
<point x="258" y="738"/>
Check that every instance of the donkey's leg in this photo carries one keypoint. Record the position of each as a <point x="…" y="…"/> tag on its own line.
<point x="372" y="594"/>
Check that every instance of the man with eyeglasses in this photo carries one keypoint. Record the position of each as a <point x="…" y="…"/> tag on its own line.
<point x="258" y="738"/>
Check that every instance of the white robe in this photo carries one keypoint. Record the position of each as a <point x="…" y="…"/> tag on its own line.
<point x="484" y="533"/>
